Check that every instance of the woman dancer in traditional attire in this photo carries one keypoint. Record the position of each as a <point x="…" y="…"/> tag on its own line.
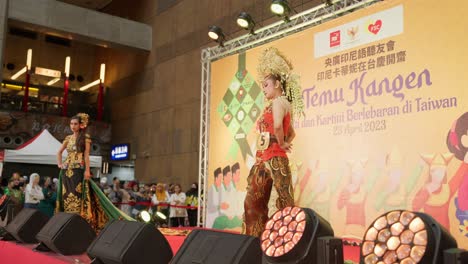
<point x="282" y="90"/>
<point x="76" y="193"/>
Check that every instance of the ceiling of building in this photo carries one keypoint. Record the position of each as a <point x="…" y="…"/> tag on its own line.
<point x="90" y="4"/>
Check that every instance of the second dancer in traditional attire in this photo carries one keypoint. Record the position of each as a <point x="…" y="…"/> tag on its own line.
<point x="76" y="192"/>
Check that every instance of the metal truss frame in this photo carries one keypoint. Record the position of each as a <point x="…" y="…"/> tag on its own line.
<point x="277" y="30"/>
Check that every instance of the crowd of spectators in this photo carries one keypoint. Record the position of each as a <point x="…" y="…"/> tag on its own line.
<point x="168" y="204"/>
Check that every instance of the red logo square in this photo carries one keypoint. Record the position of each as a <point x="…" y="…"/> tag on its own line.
<point x="335" y="39"/>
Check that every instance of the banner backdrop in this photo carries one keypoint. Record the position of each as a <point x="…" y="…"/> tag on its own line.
<point x="386" y="124"/>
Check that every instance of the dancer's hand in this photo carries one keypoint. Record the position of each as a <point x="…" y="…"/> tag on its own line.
<point x="286" y="146"/>
<point x="60" y="165"/>
<point x="87" y="175"/>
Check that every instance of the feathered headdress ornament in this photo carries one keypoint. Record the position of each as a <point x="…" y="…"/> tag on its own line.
<point x="273" y="62"/>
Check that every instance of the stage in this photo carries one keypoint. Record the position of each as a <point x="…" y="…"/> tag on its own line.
<point x="13" y="253"/>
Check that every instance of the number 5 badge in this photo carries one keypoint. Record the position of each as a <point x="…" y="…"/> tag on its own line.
<point x="263" y="140"/>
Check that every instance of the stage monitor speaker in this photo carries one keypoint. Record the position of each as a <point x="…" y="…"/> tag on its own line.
<point x="67" y="234"/>
<point x="26" y="225"/>
<point x="126" y="242"/>
<point x="212" y="247"/>
<point x="329" y="250"/>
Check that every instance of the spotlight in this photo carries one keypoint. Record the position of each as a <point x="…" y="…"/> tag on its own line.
<point x="405" y="237"/>
<point x="245" y="21"/>
<point x="216" y="34"/>
<point x="280" y="8"/>
<point x="291" y="236"/>
<point x="145" y="216"/>
<point x="161" y="215"/>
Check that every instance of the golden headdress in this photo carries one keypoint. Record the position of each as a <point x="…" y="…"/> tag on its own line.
<point x="84" y="119"/>
<point x="273" y="62"/>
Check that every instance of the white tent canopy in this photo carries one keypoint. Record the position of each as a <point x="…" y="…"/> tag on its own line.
<point x="42" y="149"/>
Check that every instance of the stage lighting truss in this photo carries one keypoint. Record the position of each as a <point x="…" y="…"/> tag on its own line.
<point x="301" y="21"/>
<point x="404" y="237"/>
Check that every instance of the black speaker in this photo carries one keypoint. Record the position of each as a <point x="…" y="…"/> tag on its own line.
<point x="67" y="234"/>
<point x="26" y="225"/>
<point x="329" y="250"/>
<point x="212" y="247"/>
<point x="126" y="242"/>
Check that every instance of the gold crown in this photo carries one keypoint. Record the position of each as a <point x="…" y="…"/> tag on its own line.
<point x="84" y="119"/>
<point x="273" y="62"/>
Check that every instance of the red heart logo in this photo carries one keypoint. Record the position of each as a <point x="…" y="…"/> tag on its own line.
<point x="375" y="28"/>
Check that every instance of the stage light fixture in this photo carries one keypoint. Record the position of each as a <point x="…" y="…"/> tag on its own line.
<point x="216" y="34"/>
<point x="291" y="236"/>
<point x="245" y="21"/>
<point x="281" y="8"/>
<point x="161" y="215"/>
<point x="405" y="237"/>
<point x="145" y="216"/>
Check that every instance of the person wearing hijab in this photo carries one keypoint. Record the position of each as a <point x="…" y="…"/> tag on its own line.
<point x="33" y="192"/>
<point x="161" y="196"/>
